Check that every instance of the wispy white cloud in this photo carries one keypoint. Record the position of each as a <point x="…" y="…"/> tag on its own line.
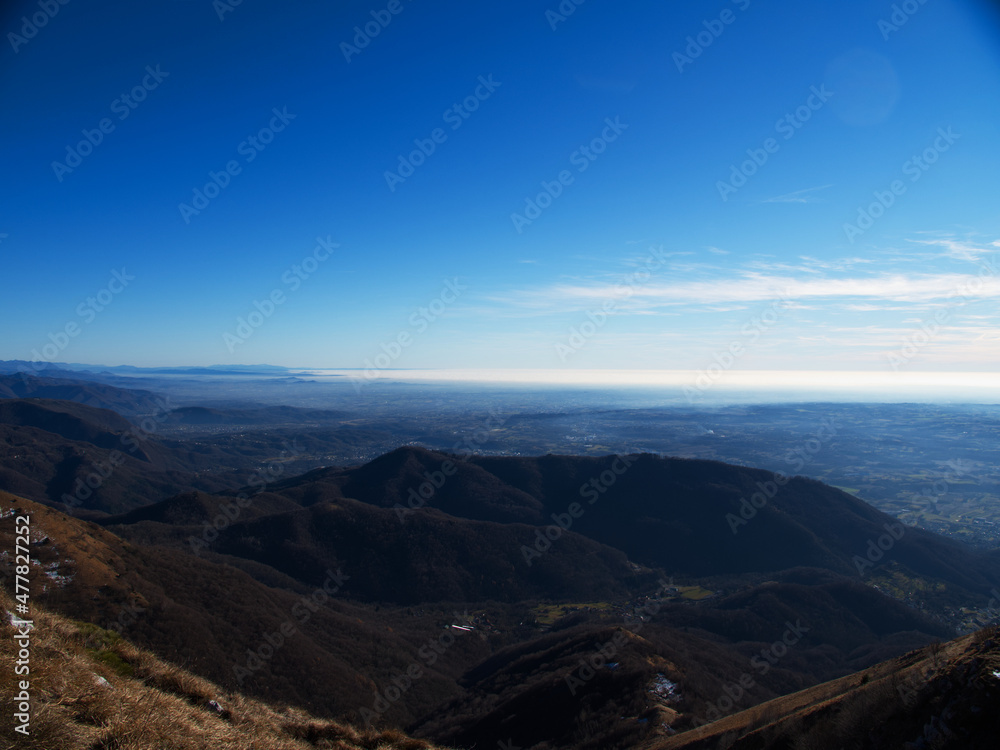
<point x="799" y="196"/>
<point x="877" y="307"/>
<point x="835" y="264"/>
<point x="834" y="310"/>
<point x="758" y="287"/>
<point x="960" y="250"/>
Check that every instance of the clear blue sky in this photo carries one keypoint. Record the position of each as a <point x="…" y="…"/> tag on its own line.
<point x="865" y="98"/>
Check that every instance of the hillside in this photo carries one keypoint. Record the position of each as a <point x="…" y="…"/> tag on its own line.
<point x="65" y="386"/>
<point x="94" y="462"/>
<point x="208" y="615"/>
<point x="943" y="696"/>
<point x="91" y="689"/>
<point x="674" y="514"/>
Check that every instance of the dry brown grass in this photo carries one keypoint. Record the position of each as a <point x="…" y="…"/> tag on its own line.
<point x="146" y="703"/>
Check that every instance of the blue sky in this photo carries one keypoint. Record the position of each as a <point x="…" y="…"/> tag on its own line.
<point x="634" y="118"/>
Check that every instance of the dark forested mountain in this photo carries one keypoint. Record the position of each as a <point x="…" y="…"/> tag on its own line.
<point x="93" y="461"/>
<point x="690" y="517"/>
<point x="69" y="387"/>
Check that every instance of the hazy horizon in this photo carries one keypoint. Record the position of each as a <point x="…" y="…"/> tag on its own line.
<point x="712" y="386"/>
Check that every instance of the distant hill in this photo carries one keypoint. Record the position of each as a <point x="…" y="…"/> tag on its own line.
<point x="95" y="461"/>
<point x="92" y="460"/>
<point x="68" y="419"/>
<point x="210" y="370"/>
<point x="47" y="369"/>
<point x="124" y="401"/>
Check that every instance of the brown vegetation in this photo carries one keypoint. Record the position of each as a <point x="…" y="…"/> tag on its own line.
<point x="93" y="690"/>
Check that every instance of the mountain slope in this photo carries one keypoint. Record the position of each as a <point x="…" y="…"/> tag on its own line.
<point x="91" y="688"/>
<point x="127" y="401"/>
<point x="95" y="462"/>
<point x="427" y="558"/>
<point x="558" y="687"/>
<point x="69" y="419"/>
<point x="943" y="696"/>
<point x="691" y="517"/>
<point x="91" y="460"/>
<point x="335" y="655"/>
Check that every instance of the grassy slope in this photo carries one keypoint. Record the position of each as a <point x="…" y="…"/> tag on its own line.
<point x="93" y="690"/>
<point x="945" y="694"/>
